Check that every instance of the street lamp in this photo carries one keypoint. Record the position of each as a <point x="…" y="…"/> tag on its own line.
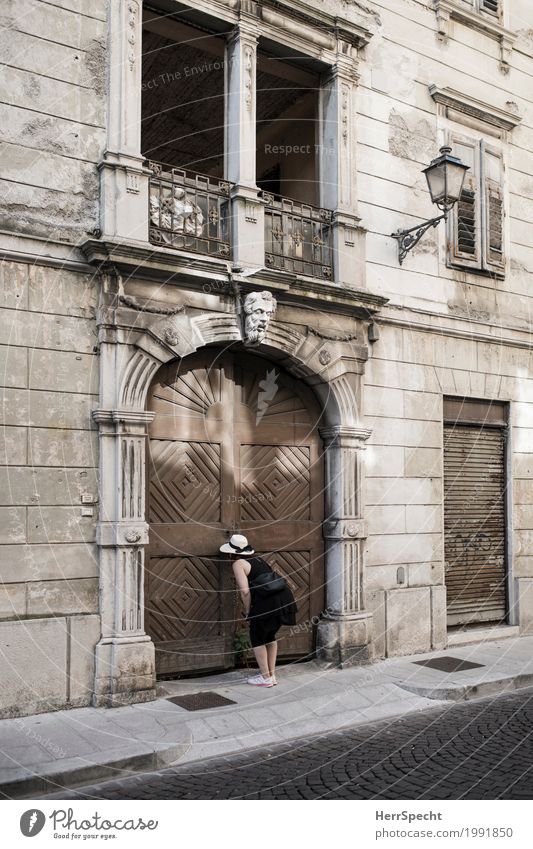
<point x="445" y="177"/>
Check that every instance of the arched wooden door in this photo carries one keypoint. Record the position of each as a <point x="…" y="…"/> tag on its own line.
<point x="234" y="445"/>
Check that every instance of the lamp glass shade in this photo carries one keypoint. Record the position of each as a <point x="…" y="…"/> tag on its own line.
<point x="445" y="177"/>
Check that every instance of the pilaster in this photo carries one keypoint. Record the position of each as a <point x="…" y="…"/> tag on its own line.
<point x="125" y="656"/>
<point x="344" y="634"/>
<point x="240" y="143"/>
<point x="337" y="167"/>
<point x="124" y="181"/>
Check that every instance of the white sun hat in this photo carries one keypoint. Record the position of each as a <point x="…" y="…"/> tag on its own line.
<point x="238" y="544"/>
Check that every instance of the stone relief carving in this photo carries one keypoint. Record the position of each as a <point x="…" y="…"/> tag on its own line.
<point x="131" y="301"/>
<point x="248" y="77"/>
<point x="171" y="335"/>
<point x="259" y="307"/>
<point x="133" y="535"/>
<point x="345" y="112"/>
<point x="132" y="183"/>
<point x="332" y="337"/>
<point x="132" y="22"/>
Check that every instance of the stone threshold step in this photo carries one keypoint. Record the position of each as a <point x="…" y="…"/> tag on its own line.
<point x="482" y="635"/>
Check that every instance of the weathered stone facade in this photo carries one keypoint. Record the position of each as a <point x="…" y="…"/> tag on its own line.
<point x="91" y="309"/>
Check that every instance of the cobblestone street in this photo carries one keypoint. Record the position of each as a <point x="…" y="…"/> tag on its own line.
<point x="475" y="750"/>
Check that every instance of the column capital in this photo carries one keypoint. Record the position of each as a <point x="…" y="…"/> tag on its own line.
<point x="128" y="417"/>
<point x="345" y="70"/>
<point x="122" y="423"/>
<point x="246" y="29"/>
<point x="345" y="437"/>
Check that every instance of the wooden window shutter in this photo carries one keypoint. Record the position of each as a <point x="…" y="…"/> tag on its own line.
<point x="465" y="220"/>
<point x="493" y="7"/>
<point x="493" y="209"/>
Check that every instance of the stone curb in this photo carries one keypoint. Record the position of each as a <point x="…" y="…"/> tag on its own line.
<point x="76" y="772"/>
<point x="468" y="692"/>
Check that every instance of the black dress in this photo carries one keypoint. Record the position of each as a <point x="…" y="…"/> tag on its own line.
<point x="268" y="612"/>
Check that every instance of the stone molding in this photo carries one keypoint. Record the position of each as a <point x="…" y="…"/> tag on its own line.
<point x="296" y="23"/>
<point x="114" y="417"/>
<point x="158" y="263"/>
<point x="504" y="119"/>
<point x="451" y="10"/>
<point x="349" y="437"/>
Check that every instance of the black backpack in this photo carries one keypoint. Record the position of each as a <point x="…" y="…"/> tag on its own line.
<point x="267" y="583"/>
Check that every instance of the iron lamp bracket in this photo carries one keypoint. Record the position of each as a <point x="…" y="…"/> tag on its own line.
<point x="407" y="239"/>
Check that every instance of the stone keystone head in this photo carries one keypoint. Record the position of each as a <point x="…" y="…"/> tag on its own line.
<point x="259" y="307"/>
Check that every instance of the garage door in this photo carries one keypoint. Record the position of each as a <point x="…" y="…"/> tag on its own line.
<point x="474" y="511"/>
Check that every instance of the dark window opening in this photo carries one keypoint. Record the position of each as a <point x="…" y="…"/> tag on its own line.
<point x="287" y="129"/>
<point x="183" y="97"/>
<point x="270" y="181"/>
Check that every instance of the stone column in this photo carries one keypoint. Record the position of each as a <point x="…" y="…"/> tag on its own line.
<point x="337" y="167"/>
<point x="125" y="655"/>
<point x="248" y="233"/>
<point x="344" y="634"/>
<point x="124" y="182"/>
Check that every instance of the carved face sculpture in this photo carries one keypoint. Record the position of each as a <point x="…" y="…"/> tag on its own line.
<point x="259" y="308"/>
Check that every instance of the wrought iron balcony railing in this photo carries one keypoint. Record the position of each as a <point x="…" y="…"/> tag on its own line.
<point x="298" y="237"/>
<point x="189" y="211"/>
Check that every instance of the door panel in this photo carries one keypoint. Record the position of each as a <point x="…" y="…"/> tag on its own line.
<point x="185" y="481"/>
<point x="275" y="481"/>
<point x="233" y="446"/>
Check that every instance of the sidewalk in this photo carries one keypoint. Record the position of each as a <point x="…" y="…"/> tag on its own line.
<point x="42" y="753"/>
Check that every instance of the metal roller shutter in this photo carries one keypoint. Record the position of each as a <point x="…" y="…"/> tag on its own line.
<point x="474" y="523"/>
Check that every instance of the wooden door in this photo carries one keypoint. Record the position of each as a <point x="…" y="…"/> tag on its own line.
<point x="234" y="446"/>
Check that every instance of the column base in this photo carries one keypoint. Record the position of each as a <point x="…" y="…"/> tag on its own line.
<point x="344" y="641"/>
<point x="125" y="672"/>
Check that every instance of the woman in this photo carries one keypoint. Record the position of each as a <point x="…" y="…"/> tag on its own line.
<point x="266" y="613"/>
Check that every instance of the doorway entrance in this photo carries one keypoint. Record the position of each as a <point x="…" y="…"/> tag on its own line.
<point x="233" y="446"/>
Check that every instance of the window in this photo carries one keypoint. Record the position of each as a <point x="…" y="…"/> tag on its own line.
<point x="493" y="7"/>
<point x="486" y="16"/>
<point x="476" y="223"/>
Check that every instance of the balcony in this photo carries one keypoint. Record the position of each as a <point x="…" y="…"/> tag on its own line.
<point x="298" y="237"/>
<point x="189" y="211"/>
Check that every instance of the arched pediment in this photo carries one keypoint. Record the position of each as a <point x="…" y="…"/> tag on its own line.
<point x="324" y="367"/>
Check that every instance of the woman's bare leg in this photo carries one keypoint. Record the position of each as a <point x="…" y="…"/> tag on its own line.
<point x="262" y="660"/>
<point x="272" y="653"/>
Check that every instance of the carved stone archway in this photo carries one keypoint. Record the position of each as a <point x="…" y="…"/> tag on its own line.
<point x="133" y="347"/>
